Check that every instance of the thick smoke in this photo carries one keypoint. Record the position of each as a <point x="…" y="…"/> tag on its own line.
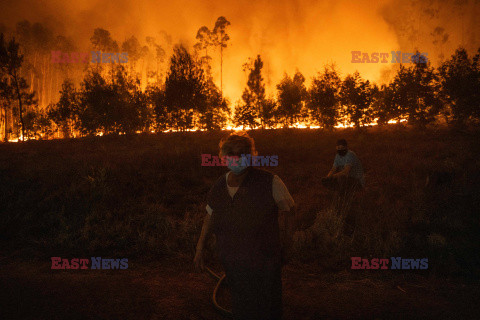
<point x="289" y="34"/>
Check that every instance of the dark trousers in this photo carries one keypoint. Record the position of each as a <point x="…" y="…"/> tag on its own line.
<point x="256" y="292"/>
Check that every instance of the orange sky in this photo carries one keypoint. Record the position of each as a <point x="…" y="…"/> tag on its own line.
<point x="290" y="35"/>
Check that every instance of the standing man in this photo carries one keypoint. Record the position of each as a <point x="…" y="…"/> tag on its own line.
<point x="250" y="211"/>
<point x="347" y="170"/>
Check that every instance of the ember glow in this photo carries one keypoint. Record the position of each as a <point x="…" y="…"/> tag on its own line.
<point x="290" y="36"/>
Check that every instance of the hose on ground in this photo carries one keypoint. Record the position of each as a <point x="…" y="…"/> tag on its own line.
<point x="220" y="279"/>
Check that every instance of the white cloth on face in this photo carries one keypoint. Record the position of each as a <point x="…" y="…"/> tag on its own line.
<point x="280" y="193"/>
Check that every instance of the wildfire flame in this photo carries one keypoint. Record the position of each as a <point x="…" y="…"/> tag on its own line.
<point x="231" y="127"/>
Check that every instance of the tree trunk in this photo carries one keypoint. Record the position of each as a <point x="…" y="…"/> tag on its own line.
<point x="32" y="73"/>
<point x="50" y="87"/>
<point x="20" y="106"/>
<point x="43" y="81"/>
<point x="221" y="71"/>
<point x="4" y="118"/>
<point x="158" y="76"/>
<point x="144" y="75"/>
<point x="56" y="85"/>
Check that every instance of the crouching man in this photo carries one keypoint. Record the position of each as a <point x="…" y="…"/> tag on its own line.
<point x="347" y="171"/>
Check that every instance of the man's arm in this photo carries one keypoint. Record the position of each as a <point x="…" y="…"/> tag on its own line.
<point x="344" y="172"/>
<point x="206" y="228"/>
<point x="334" y="167"/>
<point x="332" y="171"/>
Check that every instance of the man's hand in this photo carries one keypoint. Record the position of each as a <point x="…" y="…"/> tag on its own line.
<point x="329" y="182"/>
<point x="331" y="172"/>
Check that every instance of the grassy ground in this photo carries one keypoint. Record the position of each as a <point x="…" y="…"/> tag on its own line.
<point x="169" y="289"/>
<point x="142" y="197"/>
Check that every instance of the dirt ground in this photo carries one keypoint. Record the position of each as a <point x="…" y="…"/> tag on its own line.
<point x="173" y="290"/>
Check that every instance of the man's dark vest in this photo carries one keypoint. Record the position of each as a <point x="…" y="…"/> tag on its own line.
<point x="246" y="227"/>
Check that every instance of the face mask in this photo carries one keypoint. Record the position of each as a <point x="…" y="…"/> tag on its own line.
<point x="342" y="152"/>
<point x="236" y="166"/>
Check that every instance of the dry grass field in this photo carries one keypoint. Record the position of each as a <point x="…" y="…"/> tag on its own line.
<point x="143" y="197"/>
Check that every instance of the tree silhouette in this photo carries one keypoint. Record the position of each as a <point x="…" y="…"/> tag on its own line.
<point x="134" y="50"/>
<point x="380" y="106"/>
<point x="205" y="41"/>
<point x="291" y="97"/>
<point x="102" y="41"/>
<point x="267" y="113"/>
<point x="159" y="53"/>
<point x="64" y="111"/>
<point x="460" y="79"/>
<point x="221" y="39"/>
<point x="63" y="44"/>
<point x="415" y="93"/>
<point x="95" y="105"/>
<point x="43" y="42"/>
<point x="7" y="96"/>
<point x="185" y="91"/>
<point x="356" y="97"/>
<point x="253" y="97"/>
<point x="10" y="63"/>
<point x="36" y="41"/>
<point x="156" y="98"/>
<point x="215" y="115"/>
<point x="323" y="97"/>
<point x="117" y="107"/>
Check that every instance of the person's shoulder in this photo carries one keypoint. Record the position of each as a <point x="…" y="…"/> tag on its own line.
<point x="220" y="179"/>
<point x="352" y="153"/>
<point x="277" y="181"/>
<point x="353" y="156"/>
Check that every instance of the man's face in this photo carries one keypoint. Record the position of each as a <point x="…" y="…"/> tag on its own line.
<point x="342" y="150"/>
<point x="234" y="157"/>
<point x="235" y="154"/>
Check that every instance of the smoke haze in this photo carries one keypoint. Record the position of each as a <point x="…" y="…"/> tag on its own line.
<point x="288" y="34"/>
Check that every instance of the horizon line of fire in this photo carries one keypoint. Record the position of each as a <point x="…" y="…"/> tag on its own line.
<point x="298" y="125"/>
